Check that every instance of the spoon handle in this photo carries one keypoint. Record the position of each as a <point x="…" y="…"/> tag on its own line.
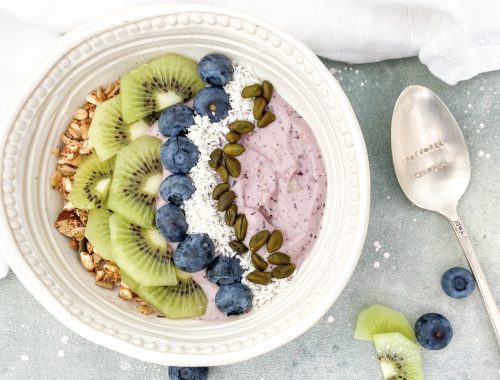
<point x="482" y="284"/>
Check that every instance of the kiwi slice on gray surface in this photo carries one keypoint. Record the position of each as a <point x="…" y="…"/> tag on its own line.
<point x="108" y="133"/>
<point x="141" y="252"/>
<point x="136" y="181"/>
<point x="378" y="319"/>
<point x="185" y="300"/>
<point x="92" y="182"/>
<point x="399" y="357"/>
<point x="97" y="232"/>
<point x="154" y="86"/>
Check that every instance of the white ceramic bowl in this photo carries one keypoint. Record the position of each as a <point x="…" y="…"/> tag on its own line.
<point x="98" y="54"/>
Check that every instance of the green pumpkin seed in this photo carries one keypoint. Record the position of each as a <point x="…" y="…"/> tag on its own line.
<point x="223" y="173"/>
<point x="258" y="240"/>
<point x="226" y="200"/>
<point x="233" y="167"/>
<point x="233" y="136"/>
<point x="261" y="278"/>
<point x="220" y="189"/>
<point x="240" y="227"/>
<point x="238" y="247"/>
<point x="278" y="258"/>
<point x="275" y="241"/>
<point x="241" y="126"/>
<point x="231" y="214"/>
<point x="267" y="90"/>
<point x="258" y="262"/>
<point x="283" y="271"/>
<point x="267" y="119"/>
<point x="233" y="150"/>
<point x="258" y="108"/>
<point x="251" y="91"/>
<point x="215" y="158"/>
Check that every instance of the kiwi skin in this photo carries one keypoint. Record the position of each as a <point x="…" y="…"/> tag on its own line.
<point x="185" y="300"/>
<point x="154" y="86"/>
<point x="136" y="181"/>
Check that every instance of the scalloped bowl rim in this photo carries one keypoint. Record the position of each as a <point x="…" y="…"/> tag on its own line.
<point x="353" y="148"/>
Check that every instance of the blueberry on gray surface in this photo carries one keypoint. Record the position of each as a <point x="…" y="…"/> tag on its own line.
<point x="177" y="188"/>
<point x="224" y="270"/>
<point x="458" y="282"/>
<point x="212" y="102"/>
<point x="234" y="299"/>
<point x="179" y="155"/>
<point x="194" y="253"/>
<point x="188" y="373"/>
<point x="176" y="120"/>
<point x="433" y="331"/>
<point x="215" y="69"/>
<point x="171" y="222"/>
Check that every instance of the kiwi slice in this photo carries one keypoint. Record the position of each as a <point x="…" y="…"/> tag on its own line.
<point x="92" y="182"/>
<point x="97" y="232"/>
<point x="108" y="133"/>
<point x="136" y="180"/>
<point x="185" y="300"/>
<point x="154" y="86"/>
<point x="141" y="252"/>
<point x="399" y="357"/>
<point x="378" y="319"/>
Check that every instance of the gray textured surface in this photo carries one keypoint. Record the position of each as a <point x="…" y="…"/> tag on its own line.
<point x="421" y="246"/>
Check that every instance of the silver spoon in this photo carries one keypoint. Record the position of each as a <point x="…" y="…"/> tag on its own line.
<point x="433" y="168"/>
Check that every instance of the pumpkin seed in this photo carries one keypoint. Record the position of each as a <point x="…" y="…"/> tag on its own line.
<point x="275" y="241"/>
<point x="251" y="91"/>
<point x="278" y="258"/>
<point x="283" y="271"/>
<point x="266" y="119"/>
<point x="267" y="90"/>
<point x="230" y="216"/>
<point x="241" y="126"/>
<point x="240" y="227"/>
<point x="258" y="262"/>
<point x="220" y="189"/>
<point x="223" y="173"/>
<point x="258" y="240"/>
<point x="233" y="149"/>
<point x="238" y="247"/>
<point x="233" y="167"/>
<point x="258" y="107"/>
<point x="233" y="136"/>
<point x="215" y="158"/>
<point x="226" y="200"/>
<point x="261" y="278"/>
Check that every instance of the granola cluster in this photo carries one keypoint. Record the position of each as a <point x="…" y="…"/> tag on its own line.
<point x="71" y="222"/>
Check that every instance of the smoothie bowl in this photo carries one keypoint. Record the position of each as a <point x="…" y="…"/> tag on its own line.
<point x="185" y="186"/>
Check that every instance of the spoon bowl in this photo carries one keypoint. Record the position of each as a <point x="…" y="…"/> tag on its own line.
<point x="432" y="165"/>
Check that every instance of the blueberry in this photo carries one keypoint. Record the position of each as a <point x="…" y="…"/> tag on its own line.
<point x="171" y="223"/>
<point x="194" y="253"/>
<point x="433" y="331"/>
<point x="458" y="282"/>
<point x="179" y="154"/>
<point x="177" y="188"/>
<point x="215" y="69"/>
<point x="234" y="299"/>
<point x="224" y="270"/>
<point x="212" y="102"/>
<point x="188" y="373"/>
<point x="176" y="120"/>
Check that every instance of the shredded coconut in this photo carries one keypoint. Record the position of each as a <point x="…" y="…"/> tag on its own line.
<point x="201" y="211"/>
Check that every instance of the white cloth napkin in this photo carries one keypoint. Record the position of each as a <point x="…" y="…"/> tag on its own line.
<point x="456" y="39"/>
